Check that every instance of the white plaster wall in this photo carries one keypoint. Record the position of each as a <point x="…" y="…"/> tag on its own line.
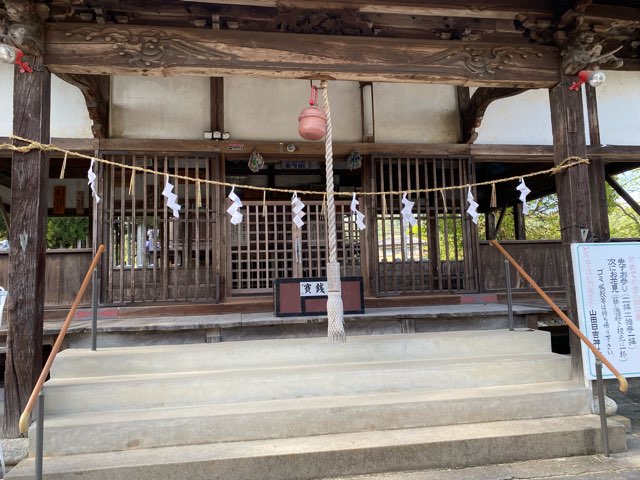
<point x="6" y="99"/>
<point x="619" y="108"/>
<point x="268" y="109"/>
<point x="415" y="113"/>
<point x="524" y="119"/>
<point x="160" y="107"/>
<point x="69" y="117"/>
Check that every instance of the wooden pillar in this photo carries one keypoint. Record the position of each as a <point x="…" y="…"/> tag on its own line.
<point x="463" y="97"/>
<point x="597" y="181"/>
<point x="223" y="231"/>
<point x="490" y="226"/>
<point x="217" y="104"/>
<point x="572" y="184"/>
<point x="221" y="228"/>
<point x="29" y="177"/>
<point x="518" y="222"/>
<point x="369" y="236"/>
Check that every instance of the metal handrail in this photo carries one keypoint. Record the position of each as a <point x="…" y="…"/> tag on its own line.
<point x="623" y="381"/>
<point x="24" y="418"/>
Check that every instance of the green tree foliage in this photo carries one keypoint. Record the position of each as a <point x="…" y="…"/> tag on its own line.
<point x="543" y="220"/>
<point x="624" y="222"/>
<point x="64" y="232"/>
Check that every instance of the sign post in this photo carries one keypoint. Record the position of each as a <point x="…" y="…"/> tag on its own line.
<point x="607" y="280"/>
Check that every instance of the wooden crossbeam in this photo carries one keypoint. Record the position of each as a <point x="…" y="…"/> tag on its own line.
<point x="128" y="49"/>
<point x="452" y="8"/>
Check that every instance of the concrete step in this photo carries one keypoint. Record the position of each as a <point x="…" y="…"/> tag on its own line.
<point x="75" y="395"/>
<point x="74" y="363"/>
<point x="152" y="428"/>
<point x="306" y="458"/>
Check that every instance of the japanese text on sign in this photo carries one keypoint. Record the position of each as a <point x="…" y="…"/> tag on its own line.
<point x="313" y="289"/>
<point x="607" y="279"/>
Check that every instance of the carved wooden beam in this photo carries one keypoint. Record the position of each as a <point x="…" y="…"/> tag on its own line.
<point x="451" y="8"/>
<point x="129" y="49"/>
<point x="95" y="89"/>
<point x="473" y="112"/>
<point x="24" y="27"/>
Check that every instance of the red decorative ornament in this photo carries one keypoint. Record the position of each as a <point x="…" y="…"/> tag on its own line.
<point x="312" y="122"/>
<point x="9" y="54"/>
<point x="592" y="77"/>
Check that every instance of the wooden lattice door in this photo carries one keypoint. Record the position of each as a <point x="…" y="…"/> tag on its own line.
<point x="151" y="255"/>
<point x="438" y="254"/>
<point x="267" y="246"/>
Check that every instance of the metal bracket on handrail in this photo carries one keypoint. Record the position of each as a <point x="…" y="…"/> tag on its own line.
<point x="507" y="280"/>
<point x="39" y="437"/>
<point x="604" y="430"/>
<point x="574" y="328"/>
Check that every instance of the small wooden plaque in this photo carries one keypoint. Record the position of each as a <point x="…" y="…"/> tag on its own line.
<point x="59" y="199"/>
<point x="80" y="202"/>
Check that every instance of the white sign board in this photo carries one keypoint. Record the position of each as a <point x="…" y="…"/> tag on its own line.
<point x="314" y="289"/>
<point x="607" y="280"/>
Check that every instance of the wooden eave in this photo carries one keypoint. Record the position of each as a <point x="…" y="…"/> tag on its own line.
<point x="137" y="50"/>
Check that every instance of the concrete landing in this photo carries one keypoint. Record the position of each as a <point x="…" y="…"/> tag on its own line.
<point x="114" y="331"/>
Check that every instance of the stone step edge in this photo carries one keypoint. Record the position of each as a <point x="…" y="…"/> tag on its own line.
<point x="382" y="449"/>
<point x="234" y="355"/>
<point x="441" y="362"/>
<point x="74" y="433"/>
<point x="313" y="403"/>
<point x="357" y="340"/>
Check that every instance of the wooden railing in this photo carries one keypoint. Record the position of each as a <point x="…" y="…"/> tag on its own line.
<point x="623" y="381"/>
<point x="24" y="418"/>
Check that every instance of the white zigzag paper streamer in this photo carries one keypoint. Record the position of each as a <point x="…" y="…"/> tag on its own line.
<point x="234" y="209"/>
<point x="407" y="216"/>
<point x="92" y="181"/>
<point x="473" y="207"/>
<point x="171" y="198"/>
<point x="524" y="191"/>
<point x="298" y="210"/>
<point x="359" y="215"/>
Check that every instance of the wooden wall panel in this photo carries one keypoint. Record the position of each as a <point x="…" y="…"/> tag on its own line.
<point x="65" y="270"/>
<point x="543" y="260"/>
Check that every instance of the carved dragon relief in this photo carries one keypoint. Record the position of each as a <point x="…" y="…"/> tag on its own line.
<point x="329" y="22"/>
<point x="484" y="62"/>
<point x="584" y="44"/>
<point x="148" y="48"/>
<point x="21" y="25"/>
